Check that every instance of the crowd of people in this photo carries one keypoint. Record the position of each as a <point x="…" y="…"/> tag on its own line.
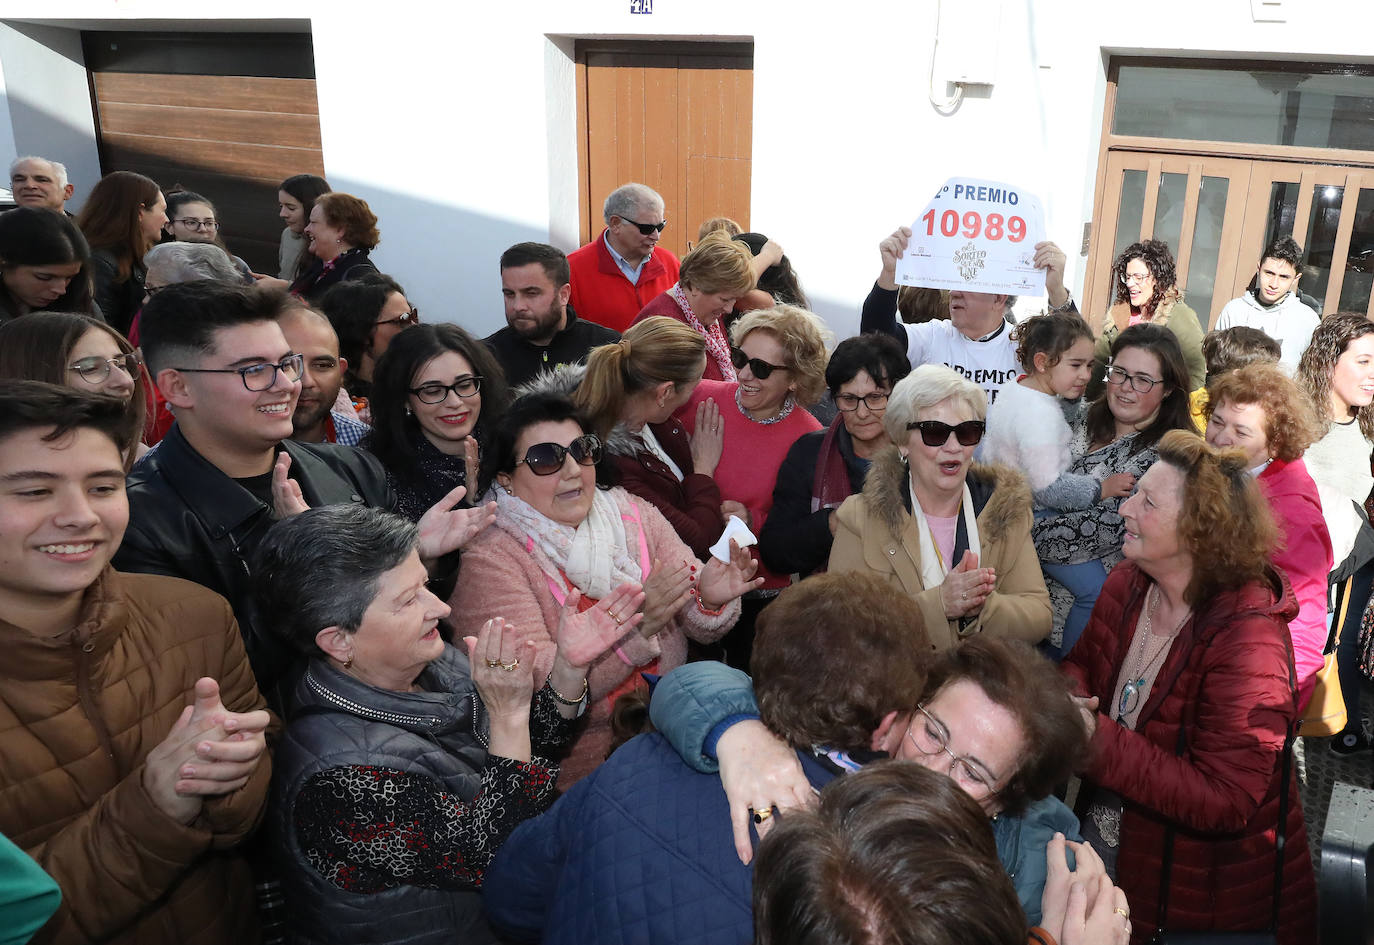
<point x="657" y="615"/>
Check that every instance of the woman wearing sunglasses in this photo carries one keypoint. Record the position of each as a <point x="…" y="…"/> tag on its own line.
<point x="560" y="541"/>
<point x="825" y="467"/>
<point x="430" y="394"/>
<point x="714" y="276"/>
<point x="1186" y="674"/>
<point x="953" y="535"/>
<point x="780" y="357"/>
<point x="1146" y="396"/>
<point x="1146" y="292"/>
<point x="80" y="352"/>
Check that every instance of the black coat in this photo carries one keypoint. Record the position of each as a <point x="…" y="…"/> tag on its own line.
<point x="796" y="540"/>
<point x="521" y="360"/>
<point x="315" y="282"/>
<point x="189" y="520"/>
<point x="118" y="302"/>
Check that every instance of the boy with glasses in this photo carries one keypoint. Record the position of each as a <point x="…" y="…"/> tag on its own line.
<point x="202" y="501"/>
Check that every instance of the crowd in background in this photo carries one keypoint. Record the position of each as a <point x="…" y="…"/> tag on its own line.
<point x="660" y="614"/>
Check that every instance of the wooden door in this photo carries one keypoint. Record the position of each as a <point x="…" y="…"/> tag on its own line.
<point x="677" y="117"/>
<point x="228" y="116"/>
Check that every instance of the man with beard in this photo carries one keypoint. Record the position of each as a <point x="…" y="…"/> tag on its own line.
<point x="542" y="330"/>
<point x="315" y="420"/>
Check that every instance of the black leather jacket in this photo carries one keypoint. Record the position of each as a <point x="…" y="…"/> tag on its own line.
<point x="189" y="520"/>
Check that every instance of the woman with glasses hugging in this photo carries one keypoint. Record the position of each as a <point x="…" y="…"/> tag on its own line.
<point x="79" y="352"/>
<point x="825" y="467"/>
<point x="191" y="219"/>
<point x="1186" y="676"/>
<point x="561" y="543"/>
<point x="954" y="535"/>
<point x="1146" y="396"/>
<point x="1147" y="292"/>
<point x="431" y="395"/>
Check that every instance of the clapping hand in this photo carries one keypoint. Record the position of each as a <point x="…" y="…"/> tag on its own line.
<point x="584" y="636"/>
<point x="665" y="593"/>
<point x="446" y="527"/>
<point x="286" y="492"/>
<point x="966" y="587"/>
<point x="721" y="583"/>
<point x="210" y="751"/>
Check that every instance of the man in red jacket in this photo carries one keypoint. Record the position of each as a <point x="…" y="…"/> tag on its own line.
<point x="616" y="274"/>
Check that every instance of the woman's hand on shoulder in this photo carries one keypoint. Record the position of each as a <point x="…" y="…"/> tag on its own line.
<point x="759" y="772"/>
<point x="708" y="438"/>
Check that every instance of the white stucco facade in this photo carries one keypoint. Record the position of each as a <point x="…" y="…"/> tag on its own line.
<point x="456" y="121"/>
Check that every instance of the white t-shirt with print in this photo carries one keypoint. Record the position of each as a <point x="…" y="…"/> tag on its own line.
<point x="990" y="362"/>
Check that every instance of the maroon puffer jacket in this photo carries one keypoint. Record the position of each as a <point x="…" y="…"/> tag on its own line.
<point x="1229" y="675"/>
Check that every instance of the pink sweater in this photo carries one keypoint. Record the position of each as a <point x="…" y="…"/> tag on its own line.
<point x="753" y="453"/>
<point x="500" y="578"/>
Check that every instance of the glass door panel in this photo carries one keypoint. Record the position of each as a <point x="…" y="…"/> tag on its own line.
<point x="1169" y="205"/>
<point x="1359" y="262"/>
<point x="1132" y="210"/>
<point x="1205" y="255"/>
<point x="1320" y="244"/>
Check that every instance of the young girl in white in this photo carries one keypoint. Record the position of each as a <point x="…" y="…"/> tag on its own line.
<point x="1027" y="429"/>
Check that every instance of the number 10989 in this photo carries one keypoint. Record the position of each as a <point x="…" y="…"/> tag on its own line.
<point x="992" y="227"/>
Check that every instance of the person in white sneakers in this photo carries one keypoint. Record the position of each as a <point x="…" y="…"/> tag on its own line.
<point x="1274" y="305"/>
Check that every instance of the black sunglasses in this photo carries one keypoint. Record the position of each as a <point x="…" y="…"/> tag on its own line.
<point x="545" y="459"/>
<point x="760" y="367"/>
<point x="935" y="433"/>
<point x="648" y="229"/>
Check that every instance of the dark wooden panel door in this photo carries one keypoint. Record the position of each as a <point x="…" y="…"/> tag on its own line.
<point x="678" y="119"/>
<point x="232" y="138"/>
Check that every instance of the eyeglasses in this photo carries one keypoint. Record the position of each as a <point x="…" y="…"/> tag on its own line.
<point x="94" y="370"/>
<point x="1140" y="383"/>
<point x="932" y="738"/>
<point x="545" y="459"/>
<point x="405" y="319"/>
<point x="760" y="367"/>
<point x="258" y="377"/>
<point x="648" y="229"/>
<point x="436" y="393"/>
<point x="875" y="401"/>
<point x="1130" y="278"/>
<point x="935" y="433"/>
<point x="194" y="224"/>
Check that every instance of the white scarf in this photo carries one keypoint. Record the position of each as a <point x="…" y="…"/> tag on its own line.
<point x="933" y="570"/>
<point x="595" y="555"/>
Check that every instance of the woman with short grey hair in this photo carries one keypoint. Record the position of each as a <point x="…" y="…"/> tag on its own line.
<point x="952" y="533"/>
<point x="406" y="761"/>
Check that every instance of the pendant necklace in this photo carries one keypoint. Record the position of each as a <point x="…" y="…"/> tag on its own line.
<point x="1135" y="683"/>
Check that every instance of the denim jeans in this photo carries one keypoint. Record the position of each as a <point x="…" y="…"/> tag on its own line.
<point x="1084" y="581"/>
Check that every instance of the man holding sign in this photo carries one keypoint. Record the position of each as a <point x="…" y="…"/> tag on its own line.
<point x="962" y="250"/>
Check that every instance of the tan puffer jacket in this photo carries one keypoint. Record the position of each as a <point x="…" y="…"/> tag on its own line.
<point x="78" y="714"/>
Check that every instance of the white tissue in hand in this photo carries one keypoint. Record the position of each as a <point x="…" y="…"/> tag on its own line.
<point x="736" y="529"/>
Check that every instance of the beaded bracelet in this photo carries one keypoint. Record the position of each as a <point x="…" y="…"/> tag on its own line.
<point x="564" y="699"/>
<point x="707" y="610"/>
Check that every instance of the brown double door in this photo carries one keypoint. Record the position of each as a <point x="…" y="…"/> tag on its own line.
<point x="1218" y="214"/>
<point x="678" y="117"/>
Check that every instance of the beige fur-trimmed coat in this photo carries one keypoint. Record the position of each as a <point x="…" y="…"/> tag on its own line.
<point x="876" y="533"/>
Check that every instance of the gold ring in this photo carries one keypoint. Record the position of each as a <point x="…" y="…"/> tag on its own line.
<point x="616" y="618"/>
<point x="509" y="667"/>
<point x="493" y="663"/>
<point x="762" y="813"/>
<point x="1123" y="913"/>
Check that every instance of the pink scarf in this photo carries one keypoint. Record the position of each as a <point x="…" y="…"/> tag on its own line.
<point x="716" y="345"/>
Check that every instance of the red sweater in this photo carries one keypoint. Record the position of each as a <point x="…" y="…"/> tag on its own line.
<point x="602" y="294"/>
<point x="1227" y="678"/>
<point x="753" y="454"/>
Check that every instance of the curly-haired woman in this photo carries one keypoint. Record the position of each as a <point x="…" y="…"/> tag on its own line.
<point x="1147" y="291"/>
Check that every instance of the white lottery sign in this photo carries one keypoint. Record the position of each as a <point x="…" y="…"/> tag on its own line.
<point x="978" y="235"/>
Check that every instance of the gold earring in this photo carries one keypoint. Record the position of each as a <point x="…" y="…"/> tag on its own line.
<point x="348" y="663"/>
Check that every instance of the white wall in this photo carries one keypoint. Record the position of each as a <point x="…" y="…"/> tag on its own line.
<point x="457" y="123"/>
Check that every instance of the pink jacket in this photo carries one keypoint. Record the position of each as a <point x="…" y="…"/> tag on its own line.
<point x="502" y="577"/>
<point x="1305" y="557"/>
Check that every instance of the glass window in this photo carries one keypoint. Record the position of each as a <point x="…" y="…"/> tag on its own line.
<point x="1202" y="262"/>
<point x="1321" y="240"/>
<point x="1305" y="109"/>
<point x="1132" y="209"/>
<point x="1169" y="210"/>
<point x="1283" y="208"/>
<point x="1359" y="265"/>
